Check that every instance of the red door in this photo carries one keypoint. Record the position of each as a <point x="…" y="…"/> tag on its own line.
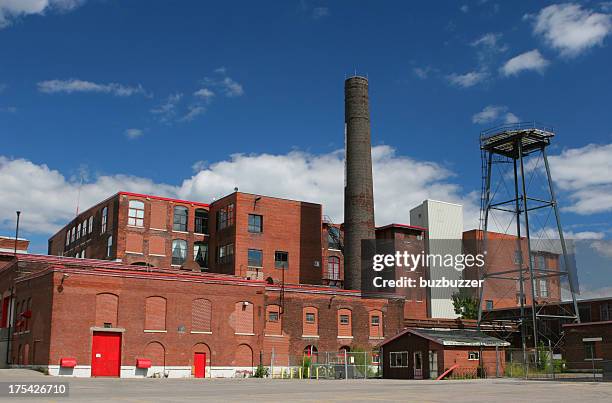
<point x="199" y="361"/>
<point x="106" y="354"/>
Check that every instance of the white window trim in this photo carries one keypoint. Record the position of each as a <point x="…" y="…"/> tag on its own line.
<point x="200" y="332"/>
<point x="310" y="336"/>
<point x="180" y="232"/>
<point x="158" y="229"/>
<point x="244" y="334"/>
<point x="155" y="331"/>
<point x="345" y="337"/>
<point x="134" y="253"/>
<point x="155" y="254"/>
<point x="399" y="366"/>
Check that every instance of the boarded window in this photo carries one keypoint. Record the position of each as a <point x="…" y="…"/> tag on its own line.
<point x="244" y="357"/>
<point x="155" y="313"/>
<point x="155" y="352"/>
<point x="201" y="313"/>
<point x="345" y="328"/>
<point x="157" y="245"/>
<point x="310" y="321"/>
<point x="243" y="316"/>
<point x="158" y="215"/>
<point x="133" y="242"/>
<point x="376" y="324"/>
<point x="273" y="320"/>
<point x="106" y="309"/>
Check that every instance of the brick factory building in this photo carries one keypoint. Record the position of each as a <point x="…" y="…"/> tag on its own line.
<point x="83" y="317"/>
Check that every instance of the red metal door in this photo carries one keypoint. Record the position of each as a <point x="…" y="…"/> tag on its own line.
<point x="199" y="361"/>
<point x="106" y="354"/>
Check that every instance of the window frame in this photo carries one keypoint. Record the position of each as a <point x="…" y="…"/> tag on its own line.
<point x="200" y="221"/>
<point x="333" y="274"/>
<point x="173" y="257"/>
<point x="255" y="227"/>
<point x="90" y="225"/>
<point x="249" y="261"/>
<point x="204" y="259"/>
<point x="314" y="317"/>
<point x="281" y="264"/>
<point x="473" y="355"/>
<point x="393" y="359"/>
<point x="136" y="213"/>
<point x="225" y="253"/>
<point x="180" y="226"/>
<point x="104" y="222"/>
<point x="332" y="244"/>
<point x="109" y="246"/>
<point x="344" y="319"/>
<point x="225" y="217"/>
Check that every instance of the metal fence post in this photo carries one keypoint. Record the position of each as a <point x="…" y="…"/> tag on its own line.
<point x="345" y="366"/>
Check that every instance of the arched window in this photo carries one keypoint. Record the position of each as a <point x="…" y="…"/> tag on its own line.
<point x="106" y="310"/>
<point x="376" y="324"/>
<point x="333" y="268"/>
<point x="156" y="352"/>
<point x="243" y="317"/>
<point x="310" y="321"/>
<point x="273" y="320"/>
<point x="345" y="323"/>
<point x="179" y="251"/>
<point x="104" y="220"/>
<point x="201" y="313"/>
<point x="136" y="213"/>
<point x="201" y="221"/>
<point x="200" y="253"/>
<point x="155" y="313"/>
<point x="311" y="352"/>
<point x="180" y="219"/>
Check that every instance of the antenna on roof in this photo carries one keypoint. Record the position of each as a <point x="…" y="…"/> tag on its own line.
<point x="79" y="192"/>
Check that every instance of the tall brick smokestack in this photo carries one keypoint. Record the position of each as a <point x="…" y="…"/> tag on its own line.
<point x="358" y="193"/>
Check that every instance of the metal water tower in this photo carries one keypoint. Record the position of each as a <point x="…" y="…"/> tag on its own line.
<point x="517" y="147"/>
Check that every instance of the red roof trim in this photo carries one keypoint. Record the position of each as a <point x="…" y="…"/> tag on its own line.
<point x="394" y="225"/>
<point x="163" y="198"/>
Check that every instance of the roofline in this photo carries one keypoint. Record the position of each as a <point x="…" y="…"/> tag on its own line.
<point x="122" y="193"/>
<point x="266" y="196"/>
<point x="416" y="332"/>
<point x="407" y="226"/>
<point x="12" y="238"/>
<point x="442" y="202"/>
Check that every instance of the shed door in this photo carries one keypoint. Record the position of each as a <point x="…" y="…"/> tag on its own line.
<point x="418" y="365"/>
<point x="106" y="354"/>
<point x="433" y="364"/>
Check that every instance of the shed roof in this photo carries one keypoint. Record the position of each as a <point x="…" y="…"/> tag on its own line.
<point x="453" y="337"/>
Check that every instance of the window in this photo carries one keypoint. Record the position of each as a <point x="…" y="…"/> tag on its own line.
<point x="605" y="311"/>
<point x="72" y="238"/>
<point x="78" y="231"/>
<point x="67" y="237"/>
<point x="155" y="313"/>
<point x="333" y="238"/>
<point x="201" y="314"/>
<point x="104" y="219"/>
<point x="201" y="221"/>
<point x="255" y="223"/>
<point x="489" y="305"/>
<point x="541" y="262"/>
<point x="310" y="317"/>
<point x="106" y="309"/>
<point x="225" y="253"/>
<point x="398" y="359"/>
<point x="518" y="257"/>
<point x="273" y="320"/>
<point x="589" y="350"/>
<point x="344" y="323"/>
<point x="109" y="246"/>
<point x="281" y="260"/>
<point x="179" y="251"/>
<point x="180" y="219"/>
<point x="83" y="254"/>
<point x="90" y="225"/>
<point x="310" y="321"/>
<point x="333" y="268"/>
<point x="255" y="258"/>
<point x="136" y="213"/>
<point x="200" y="253"/>
<point x="473" y="355"/>
<point x="243" y="315"/>
<point x="225" y="217"/>
<point x="376" y="326"/>
<point x="543" y="288"/>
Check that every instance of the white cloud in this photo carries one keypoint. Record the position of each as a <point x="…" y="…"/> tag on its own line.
<point x="492" y="113"/>
<point x="75" y="85"/>
<point x="532" y="60"/>
<point x="134" y="133"/>
<point x="423" y="72"/>
<point x="320" y="12"/>
<point x="572" y="29"/>
<point x="490" y="41"/>
<point x="193" y="111"/>
<point x="13" y="9"/>
<point x="585" y="175"/>
<point x="166" y="111"/>
<point x="468" y="79"/>
<point x="464" y="8"/>
<point x="205" y="94"/>
<point x="51" y="198"/>
<point x="227" y="85"/>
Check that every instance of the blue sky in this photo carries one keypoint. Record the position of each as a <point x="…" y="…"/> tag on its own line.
<point x="192" y="98"/>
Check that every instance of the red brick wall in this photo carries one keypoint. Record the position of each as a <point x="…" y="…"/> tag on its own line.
<point x="574" y="349"/>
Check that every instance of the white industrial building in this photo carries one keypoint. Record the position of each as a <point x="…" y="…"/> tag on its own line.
<point x="444" y="223"/>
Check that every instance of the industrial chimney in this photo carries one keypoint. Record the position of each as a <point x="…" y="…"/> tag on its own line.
<point x="358" y="193"/>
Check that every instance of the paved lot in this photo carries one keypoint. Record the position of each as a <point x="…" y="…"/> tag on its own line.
<point x="265" y="390"/>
